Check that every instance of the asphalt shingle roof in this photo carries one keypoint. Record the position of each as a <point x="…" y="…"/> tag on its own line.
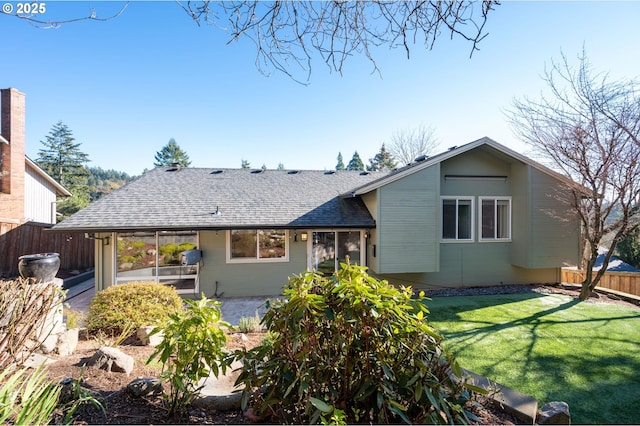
<point x="188" y="198"/>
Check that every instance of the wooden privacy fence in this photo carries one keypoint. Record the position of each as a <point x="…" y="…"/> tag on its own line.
<point x="76" y="252"/>
<point x="625" y="282"/>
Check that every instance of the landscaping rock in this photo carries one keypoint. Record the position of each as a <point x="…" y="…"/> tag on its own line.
<point x="67" y="342"/>
<point x="143" y="386"/>
<point x="143" y="335"/>
<point x="111" y="359"/>
<point x="554" y="413"/>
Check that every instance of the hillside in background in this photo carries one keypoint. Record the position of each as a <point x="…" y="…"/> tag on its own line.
<point x="101" y="182"/>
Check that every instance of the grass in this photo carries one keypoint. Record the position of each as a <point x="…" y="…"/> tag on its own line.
<point x="551" y="348"/>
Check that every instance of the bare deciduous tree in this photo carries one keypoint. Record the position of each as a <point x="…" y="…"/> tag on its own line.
<point x="588" y="127"/>
<point x="287" y="34"/>
<point x="406" y="145"/>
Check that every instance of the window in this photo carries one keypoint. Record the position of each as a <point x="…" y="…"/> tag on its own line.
<point x="456" y="219"/>
<point x="330" y="248"/>
<point x="257" y="245"/>
<point x="495" y="218"/>
<point x="156" y="256"/>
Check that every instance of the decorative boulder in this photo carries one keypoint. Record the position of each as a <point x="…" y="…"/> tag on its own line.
<point x="554" y="413"/>
<point x="143" y="335"/>
<point x="67" y="342"/>
<point x="111" y="359"/>
<point x="143" y="386"/>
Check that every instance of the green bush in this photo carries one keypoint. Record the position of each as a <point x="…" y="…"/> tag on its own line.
<point x="191" y="350"/>
<point x="131" y="305"/>
<point x="349" y="348"/>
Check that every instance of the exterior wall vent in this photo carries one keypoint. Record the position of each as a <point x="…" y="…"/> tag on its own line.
<point x="421" y="158"/>
<point x="330" y="172"/>
<point x="174" y="167"/>
<point x="257" y="171"/>
<point x="217" y="172"/>
<point x="364" y="173"/>
<point x="293" y="172"/>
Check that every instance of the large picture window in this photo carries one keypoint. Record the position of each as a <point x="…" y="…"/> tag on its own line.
<point x="157" y="257"/>
<point x="495" y="218"/>
<point x="457" y="214"/>
<point x="257" y="245"/>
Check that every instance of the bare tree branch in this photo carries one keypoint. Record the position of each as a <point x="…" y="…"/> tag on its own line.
<point x="406" y="145"/>
<point x="589" y="127"/>
<point x="35" y="18"/>
<point x="288" y="33"/>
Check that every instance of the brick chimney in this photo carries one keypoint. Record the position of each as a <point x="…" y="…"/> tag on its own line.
<point x="12" y="158"/>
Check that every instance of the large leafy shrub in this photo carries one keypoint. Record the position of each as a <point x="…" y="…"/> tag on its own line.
<point x="191" y="350"/>
<point x="354" y="349"/>
<point x="125" y="307"/>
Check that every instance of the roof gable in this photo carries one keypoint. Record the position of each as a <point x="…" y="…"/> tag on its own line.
<point x="424" y="162"/>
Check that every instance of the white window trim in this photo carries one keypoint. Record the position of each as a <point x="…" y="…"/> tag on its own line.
<point x="458" y="198"/>
<point x="494" y="198"/>
<point x="256" y="259"/>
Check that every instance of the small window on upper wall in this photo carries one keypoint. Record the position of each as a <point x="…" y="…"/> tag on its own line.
<point x="495" y="218"/>
<point x="457" y="223"/>
<point x="257" y="245"/>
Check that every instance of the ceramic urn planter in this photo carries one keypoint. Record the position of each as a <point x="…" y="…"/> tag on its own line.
<point x="43" y="266"/>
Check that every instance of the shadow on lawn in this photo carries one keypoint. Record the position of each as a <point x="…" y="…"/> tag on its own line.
<point x="599" y="380"/>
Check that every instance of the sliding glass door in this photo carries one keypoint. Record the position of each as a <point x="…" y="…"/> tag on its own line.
<point x="330" y="248"/>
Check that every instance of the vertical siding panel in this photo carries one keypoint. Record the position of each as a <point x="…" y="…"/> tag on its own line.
<point x="408" y="223"/>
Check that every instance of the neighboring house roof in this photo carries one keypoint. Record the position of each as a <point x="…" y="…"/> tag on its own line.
<point x="60" y="190"/>
<point x="423" y="162"/>
<point x="188" y="198"/>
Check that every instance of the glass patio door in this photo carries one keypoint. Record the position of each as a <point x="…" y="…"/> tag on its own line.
<point x="330" y="248"/>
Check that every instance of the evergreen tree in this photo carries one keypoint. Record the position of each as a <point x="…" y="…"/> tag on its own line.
<point x="356" y="162"/>
<point x="340" y="165"/>
<point x="383" y="161"/>
<point x="244" y="164"/>
<point x="280" y="166"/>
<point x="171" y="154"/>
<point x="62" y="159"/>
<point x="629" y="249"/>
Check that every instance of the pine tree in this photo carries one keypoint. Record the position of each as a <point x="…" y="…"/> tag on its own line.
<point x="62" y="159"/>
<point x="244" y="164"/>
<point x="355" y="163"/>
<point x="340" y="165"/>
<point x="383" y="161"/>
<point x="171" y="154"/>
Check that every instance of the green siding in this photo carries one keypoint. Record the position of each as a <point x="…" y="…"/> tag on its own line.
<point x="245" y="279"/>
<point x="371" y="201"/>
<point x="408" y="224"/>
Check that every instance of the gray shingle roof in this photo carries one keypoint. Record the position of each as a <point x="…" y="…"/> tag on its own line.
<point x="189" y="198"/>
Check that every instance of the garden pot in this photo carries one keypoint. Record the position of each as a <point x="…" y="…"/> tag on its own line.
<point x="43" y="266"/>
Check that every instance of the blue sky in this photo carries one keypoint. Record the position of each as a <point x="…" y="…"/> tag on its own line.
<point x="126" y="86"/>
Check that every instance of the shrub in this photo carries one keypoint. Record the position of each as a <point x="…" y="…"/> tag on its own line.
<point x="25" y="316"/>
<point x="131" y="305"/>
<point x="349" y="348"/>
<point x="250" y="324"/>
<point x="191" y="350"/>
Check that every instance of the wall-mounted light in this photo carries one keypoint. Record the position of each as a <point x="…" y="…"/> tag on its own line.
<point x="304" y="236"/>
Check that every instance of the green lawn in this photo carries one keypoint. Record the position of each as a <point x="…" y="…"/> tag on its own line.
<point x="551" y="348"/>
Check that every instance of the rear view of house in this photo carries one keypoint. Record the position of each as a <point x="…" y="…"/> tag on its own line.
<point x="476" y="215"/>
